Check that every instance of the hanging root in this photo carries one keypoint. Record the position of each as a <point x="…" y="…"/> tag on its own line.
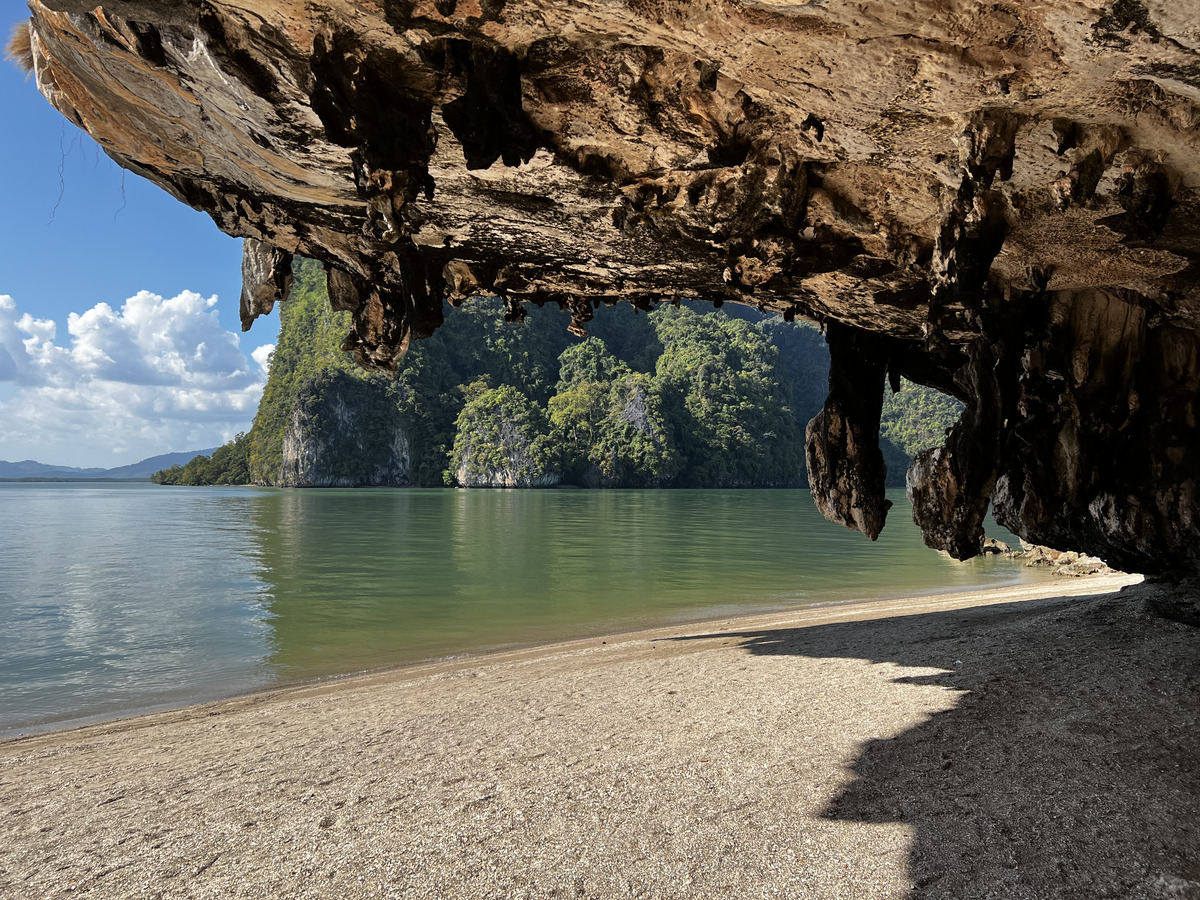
<point x="20" y="47"/>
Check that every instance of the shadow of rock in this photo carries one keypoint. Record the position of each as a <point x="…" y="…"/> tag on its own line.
<point x="1070" y="767"/>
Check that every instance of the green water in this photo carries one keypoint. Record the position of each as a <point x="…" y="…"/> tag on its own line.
<point x="121" y="598"/>
<point x="360" y="579"/>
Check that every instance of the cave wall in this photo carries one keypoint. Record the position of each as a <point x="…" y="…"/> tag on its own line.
<point x="996" y="199"/>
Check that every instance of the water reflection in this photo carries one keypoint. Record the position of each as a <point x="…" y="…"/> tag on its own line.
<point x="120" y="598"/>
<point x="360" y="579"/>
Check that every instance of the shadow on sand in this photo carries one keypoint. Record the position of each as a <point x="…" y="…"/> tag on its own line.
<point x="1069" y="768"/>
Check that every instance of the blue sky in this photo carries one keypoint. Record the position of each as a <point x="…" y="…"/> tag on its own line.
<point x="111" y="347"/>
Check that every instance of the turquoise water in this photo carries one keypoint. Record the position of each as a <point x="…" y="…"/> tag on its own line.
<point x="121" y="598"/>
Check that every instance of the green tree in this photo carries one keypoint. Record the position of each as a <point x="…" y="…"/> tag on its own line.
<point x="916" y="417"/>
<point x="606" y="422"/>
<point x="476" y="341"/>
<point x="310" y="338"/>
<point x="589" y="361"/>
<point x="636" y="446"/>
<point x="629" y="335"/>
<point x="501" y="440"/>
<point x="723" y="388"/>
<point x="229" y="464"/>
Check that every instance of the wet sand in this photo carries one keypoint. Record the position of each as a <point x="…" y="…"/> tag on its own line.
<point x="1019" y="742"/>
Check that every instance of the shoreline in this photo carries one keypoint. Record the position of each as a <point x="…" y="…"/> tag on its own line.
<point x="265" y="605"/>
<point x="1029" y="741"/>
<point x="879" y="608"/>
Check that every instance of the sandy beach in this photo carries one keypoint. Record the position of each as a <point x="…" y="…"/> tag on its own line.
<point x="1012" y="743"/>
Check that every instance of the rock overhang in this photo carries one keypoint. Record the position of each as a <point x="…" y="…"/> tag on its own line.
<point x="995" y="199"/>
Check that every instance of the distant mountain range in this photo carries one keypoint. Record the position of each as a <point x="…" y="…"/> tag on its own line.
<point x="28" y="468"/>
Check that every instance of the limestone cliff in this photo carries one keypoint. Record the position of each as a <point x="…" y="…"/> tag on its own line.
<point x="502" y="442"/>
<point x="340" y="435"/>
<point x="995" y="198"/>
<point x="512" y="470"/>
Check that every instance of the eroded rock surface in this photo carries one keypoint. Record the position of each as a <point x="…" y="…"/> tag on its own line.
<point x="340" y="435"/>
<point x="845" y="465"/>
<point x="266" y="279"/>
<point x="1001" y="197"/>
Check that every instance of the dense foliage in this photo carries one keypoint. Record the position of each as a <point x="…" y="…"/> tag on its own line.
<point x="725" y="389"/>
<point x="229" y="464"/>
<point x="501" y="439"/>
<point x="607" y="422"/>
<point x="309" y="344"/>
<point x="715" y="412"/>
<point x="674" y="397"/>
<point x="917" y="418"/>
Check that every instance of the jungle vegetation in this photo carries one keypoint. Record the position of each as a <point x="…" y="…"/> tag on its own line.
<point x="678" y="397"/>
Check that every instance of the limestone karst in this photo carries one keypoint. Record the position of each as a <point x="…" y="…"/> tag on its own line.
<point x="998" y="199"/>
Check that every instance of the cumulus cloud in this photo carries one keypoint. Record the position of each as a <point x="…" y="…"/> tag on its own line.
<point x="156" y="375"/>
<point x="262" y="355"/>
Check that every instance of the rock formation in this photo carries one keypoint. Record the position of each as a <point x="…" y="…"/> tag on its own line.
<point x="500" y="442"/>
<point x="998" y="199"/>
<point x="341" y="435"/>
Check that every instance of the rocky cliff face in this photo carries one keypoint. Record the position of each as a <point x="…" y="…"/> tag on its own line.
<point x="512" y="465"/>
<point x="998" y="199"/>
<point x="341" y="435"/>
<point x="501" y="442"/>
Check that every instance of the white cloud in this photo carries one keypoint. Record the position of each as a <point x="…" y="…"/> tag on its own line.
<point x="156" y="375"/>
<point x="262" y="355"/>
<point x="14" y="358"/>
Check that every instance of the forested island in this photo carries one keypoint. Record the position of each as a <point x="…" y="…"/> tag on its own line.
<point x="672" y="398"/>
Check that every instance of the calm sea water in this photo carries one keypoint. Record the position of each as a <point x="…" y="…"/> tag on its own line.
<point x="123" y="598"/>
